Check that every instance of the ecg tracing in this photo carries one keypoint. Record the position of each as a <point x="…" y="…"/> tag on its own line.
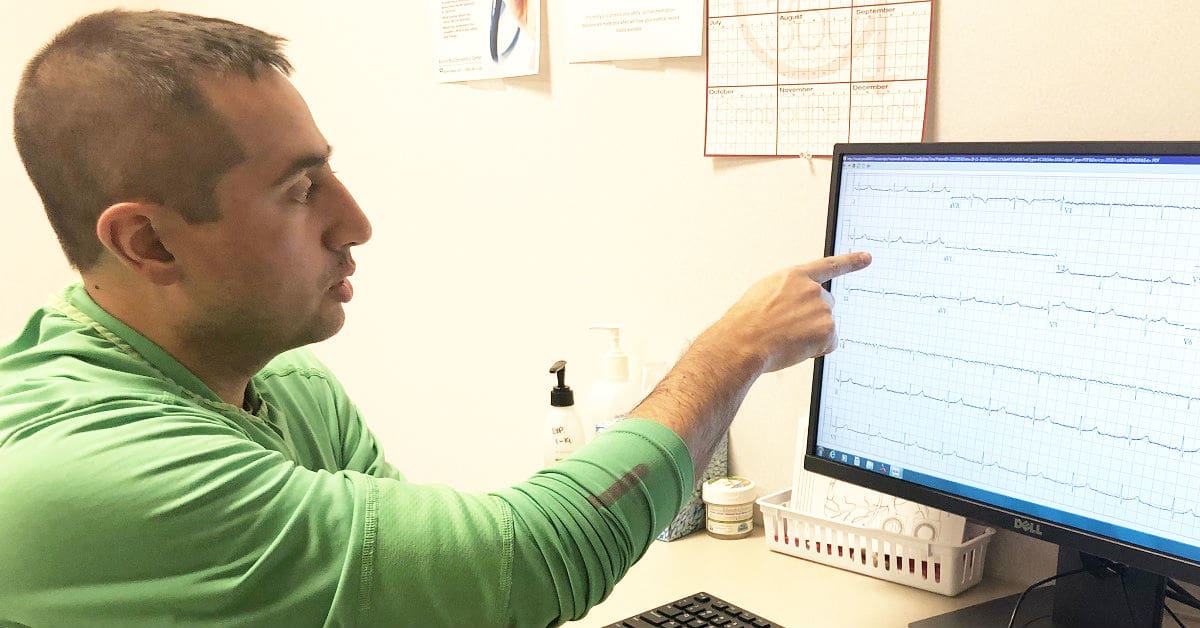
<point x="1028" y="330"/>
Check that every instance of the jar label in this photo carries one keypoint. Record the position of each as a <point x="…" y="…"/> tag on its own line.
<point x="731" y="512"/>
<point x="737" y="527"/>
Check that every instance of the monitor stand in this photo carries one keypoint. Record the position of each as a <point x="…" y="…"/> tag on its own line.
<point x="1086" y="600"/>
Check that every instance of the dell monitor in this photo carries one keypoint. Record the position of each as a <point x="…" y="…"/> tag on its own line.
<point x="1024" y="351"/>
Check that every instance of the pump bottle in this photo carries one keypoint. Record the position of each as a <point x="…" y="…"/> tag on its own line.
<point x="564" y="430"/>
<point x="613" y="395"/>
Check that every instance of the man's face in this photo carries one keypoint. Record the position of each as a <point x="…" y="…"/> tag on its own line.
<point x="270" y="274"/>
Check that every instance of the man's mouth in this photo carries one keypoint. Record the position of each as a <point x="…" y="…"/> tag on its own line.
<point x="343" y="290"/>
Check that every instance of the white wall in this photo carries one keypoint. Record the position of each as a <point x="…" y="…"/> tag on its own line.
<point x="511" y="214"/>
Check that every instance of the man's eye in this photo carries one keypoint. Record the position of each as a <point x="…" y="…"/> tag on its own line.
<point x="302" y="191"/>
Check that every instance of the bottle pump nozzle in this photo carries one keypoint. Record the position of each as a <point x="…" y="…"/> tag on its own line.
<point x="616" y="361"/>
<point x="561" y="395"/>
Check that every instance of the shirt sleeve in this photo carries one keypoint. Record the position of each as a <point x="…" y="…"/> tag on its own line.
<point x="536" y="554"/>
<point x="360" y="449"/>
<point x="180" y="519"/>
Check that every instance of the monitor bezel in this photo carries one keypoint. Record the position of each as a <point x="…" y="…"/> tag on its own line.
<point x="1114" y="549"/>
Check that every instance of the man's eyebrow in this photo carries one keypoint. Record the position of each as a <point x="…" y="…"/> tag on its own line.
<point x="304" y="162"/>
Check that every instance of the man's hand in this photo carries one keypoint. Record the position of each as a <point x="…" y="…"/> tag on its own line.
<point x="787" y="317"/>
<point x="783" y="319"/>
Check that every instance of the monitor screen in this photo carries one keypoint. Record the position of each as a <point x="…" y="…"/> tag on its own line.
<point x="1025" y="347"/>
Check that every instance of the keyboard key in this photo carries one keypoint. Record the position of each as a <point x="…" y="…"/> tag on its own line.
<point x="683" y="618"/>
<point x="697" y="623"/>
<point x="759" y="623"/>
<point x="719" y="620"/>
<point x="654" y="617"/>
<point x="694" y="608"/>
<point x="671" y="624"/>
<point x="668" y="610"/>
<point x="706" y="615"/>
<point x="744" y="616"/>
<point x="701" y="598"/>
<point x="732" y="610"/>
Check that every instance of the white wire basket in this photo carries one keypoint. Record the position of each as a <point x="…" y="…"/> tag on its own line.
<point x="941" y="568"/>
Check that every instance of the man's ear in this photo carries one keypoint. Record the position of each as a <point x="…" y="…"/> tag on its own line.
<point x="128" y="231"/>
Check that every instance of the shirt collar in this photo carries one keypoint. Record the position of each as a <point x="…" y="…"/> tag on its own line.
<point x="77" y="297"/>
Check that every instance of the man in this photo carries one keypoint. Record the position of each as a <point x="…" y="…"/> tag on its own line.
<point x="167" y="453"/>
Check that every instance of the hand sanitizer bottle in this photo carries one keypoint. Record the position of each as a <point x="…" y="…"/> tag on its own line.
<point x="564" y="430"/>
<point x="614" y="394"/>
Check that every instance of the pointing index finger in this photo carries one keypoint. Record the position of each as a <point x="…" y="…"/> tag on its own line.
<point x="824" y="269"/>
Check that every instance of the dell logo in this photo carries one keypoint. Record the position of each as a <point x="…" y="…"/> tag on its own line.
<point x="1028" y="527"/>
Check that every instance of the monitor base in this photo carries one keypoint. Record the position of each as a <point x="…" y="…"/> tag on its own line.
<point x="1037" y="605"/>
<point x="1098" y="597"/>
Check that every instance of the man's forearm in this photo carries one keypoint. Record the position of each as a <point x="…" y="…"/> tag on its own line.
<point x="699" y="397"/>
<point x="782" y="320"/>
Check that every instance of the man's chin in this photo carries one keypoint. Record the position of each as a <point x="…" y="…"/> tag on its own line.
<point x="328" y="324"/>
<point x="331" y="324"/>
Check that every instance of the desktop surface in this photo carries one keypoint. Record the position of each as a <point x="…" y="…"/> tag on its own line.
<point x="788" y="590"/>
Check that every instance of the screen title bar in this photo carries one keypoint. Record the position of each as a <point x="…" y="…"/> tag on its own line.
<point x="1048" y="159"/>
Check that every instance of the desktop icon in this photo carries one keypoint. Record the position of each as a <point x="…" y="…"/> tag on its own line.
<point x="857" y="462"/>
<point x="870" y="465"/>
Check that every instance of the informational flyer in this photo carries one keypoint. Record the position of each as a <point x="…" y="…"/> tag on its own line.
<point x="608" y="30"/>
<point x="832" y="500"/>
<point x="485" y="39"/>
<point x="794" y="77"/>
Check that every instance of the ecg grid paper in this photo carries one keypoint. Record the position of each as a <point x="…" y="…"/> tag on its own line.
<point x="1031" y="335"/>
<point x="794" y="77"/>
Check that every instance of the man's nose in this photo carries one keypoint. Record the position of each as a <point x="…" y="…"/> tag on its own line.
<point x="351" y="226"/>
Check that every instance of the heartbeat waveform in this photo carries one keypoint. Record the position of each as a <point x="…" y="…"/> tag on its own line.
<point x="929" y="190"/>
<point x="1128" y="437"/>
<point x="1044" y="308"/>
<point x="901" y="240"/>
<point x="1021" y="369"/>
<point x="983" y="463"/>
<point x="1117" y="275"/>
<point x="939" y="241"/>
<point x="1060" y="201"/>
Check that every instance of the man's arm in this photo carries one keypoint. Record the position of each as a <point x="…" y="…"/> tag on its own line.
<point x="782" y="320"/>
<point x="131" y="515"/>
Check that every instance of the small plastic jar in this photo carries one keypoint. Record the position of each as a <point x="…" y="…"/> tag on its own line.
<point x="729" y="507"/>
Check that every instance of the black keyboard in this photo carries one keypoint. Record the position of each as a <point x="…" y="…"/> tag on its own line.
<point x="696" y="611"/>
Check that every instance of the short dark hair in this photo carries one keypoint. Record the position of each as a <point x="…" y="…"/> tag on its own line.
<point x="111" y="110"/>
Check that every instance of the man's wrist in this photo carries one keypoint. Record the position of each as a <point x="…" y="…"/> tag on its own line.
<point x="731" y="351"/>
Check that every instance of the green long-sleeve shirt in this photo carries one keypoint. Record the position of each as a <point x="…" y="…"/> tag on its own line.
<point x="131" y="495"/>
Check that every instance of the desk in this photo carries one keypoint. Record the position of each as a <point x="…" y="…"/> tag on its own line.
<point x="795" y="592"/>
<point x="786" y="589"/>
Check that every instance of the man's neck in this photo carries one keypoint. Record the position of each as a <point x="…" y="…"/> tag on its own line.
<point x="223" y="368"/>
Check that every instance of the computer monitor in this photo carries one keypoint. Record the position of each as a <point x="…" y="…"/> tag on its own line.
<point x="1024" y="350"/>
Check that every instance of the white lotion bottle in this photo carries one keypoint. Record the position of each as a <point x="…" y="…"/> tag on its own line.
<point x="613" y="395"/>
<point x="564" y="429"/>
